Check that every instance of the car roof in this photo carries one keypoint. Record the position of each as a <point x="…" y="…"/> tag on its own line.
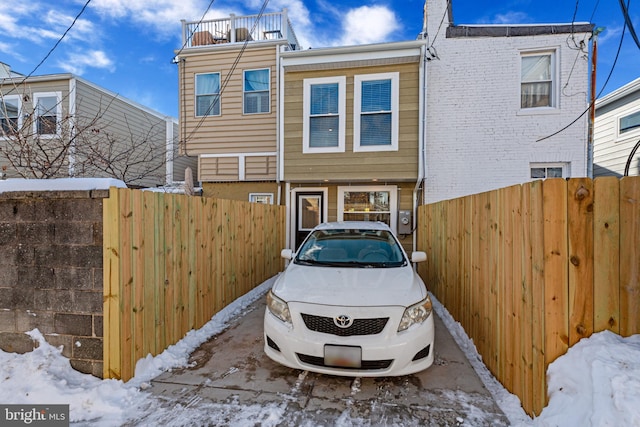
<point x="353" y="225"/>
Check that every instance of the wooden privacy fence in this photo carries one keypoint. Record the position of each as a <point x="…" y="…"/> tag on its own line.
<point x="530" y="270"/>
<point x="172" y="261"/>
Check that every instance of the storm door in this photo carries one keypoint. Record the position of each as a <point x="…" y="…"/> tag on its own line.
<point x="309" y="209"/>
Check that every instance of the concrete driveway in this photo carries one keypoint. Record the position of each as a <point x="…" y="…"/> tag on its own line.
<point x="230" y="374"/>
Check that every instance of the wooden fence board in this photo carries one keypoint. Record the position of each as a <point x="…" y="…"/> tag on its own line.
<point x="629" y="255"/>
<point x="548" y="263"/>
<point x="168" y="267"/>
<point x="555" y="268"/>
<point x="580" y="235"/>
<point x="111" y="287"/>
<point x="126" y="282"/>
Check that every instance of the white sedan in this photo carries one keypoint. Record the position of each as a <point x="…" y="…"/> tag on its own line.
<point x="350" y="303"/>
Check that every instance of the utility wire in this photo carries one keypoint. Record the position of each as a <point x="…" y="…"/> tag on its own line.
<point x="229" y="74"/>
<point x="599" y="93"/>
<point x="55" y="45"/>
<point x="186" y="41"/>
<point x="628" y="22"/>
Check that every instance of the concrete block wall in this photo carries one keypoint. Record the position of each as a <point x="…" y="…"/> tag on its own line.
<point x="51" y="273"/>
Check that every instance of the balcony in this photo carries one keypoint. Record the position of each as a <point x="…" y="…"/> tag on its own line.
<point x="240" y="29"/>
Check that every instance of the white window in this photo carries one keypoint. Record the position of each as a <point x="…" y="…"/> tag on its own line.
<point x="549" y="170"/>
<point x="629" y="123"/>
<point x="265" y="198"/>
<point x="256" y="91"/>
<point x="48" y="113"/>
<point x="208" y="94"/>
<point x="375" y="117"/>
<point x="537" y="86"/>
<point x="324" y="115"/>
<point x="368" y="203"/>
<point x="10" y="119"/>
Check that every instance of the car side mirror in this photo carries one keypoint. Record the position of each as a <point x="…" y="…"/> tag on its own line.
<point x="286" y="253"/>
<point x="418" y="256"/>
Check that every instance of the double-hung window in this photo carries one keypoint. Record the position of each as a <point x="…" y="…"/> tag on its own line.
<point x="208" y="94"/>
<point x="629" y="123"/>
<point x="9" y="115"/>
<point x="375" y="118"/>
<point x="537" y="88"/>
<point x="256" y="91"/>
<point x="324" y="115"/>
<point x="48" y="113"/>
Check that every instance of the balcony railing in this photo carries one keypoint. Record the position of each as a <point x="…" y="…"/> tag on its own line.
<point x="239" y="29"/>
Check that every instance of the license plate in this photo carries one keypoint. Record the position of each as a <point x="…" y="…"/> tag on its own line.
<point x="343" y="356"/>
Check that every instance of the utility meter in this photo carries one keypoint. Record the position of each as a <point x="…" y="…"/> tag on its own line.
<point x="404" y="222"/>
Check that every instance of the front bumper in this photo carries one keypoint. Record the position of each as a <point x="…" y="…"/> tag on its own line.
<point x="387" y="353"/>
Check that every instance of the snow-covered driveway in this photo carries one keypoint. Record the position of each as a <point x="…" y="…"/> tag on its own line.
<point x="231" y="382"/>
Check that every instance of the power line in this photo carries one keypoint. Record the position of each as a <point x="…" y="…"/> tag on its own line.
<point x="186" y="41"/>
<point x="628" y="22"/>
<point x="599" y="93"/>
<point x="229" y="74"/>
<point x="57" y="43"/>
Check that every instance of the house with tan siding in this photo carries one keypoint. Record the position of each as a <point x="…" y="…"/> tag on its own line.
<point x="228" y="82"/>
<point x="370" y="132"/>
<point x="61" y="125"/>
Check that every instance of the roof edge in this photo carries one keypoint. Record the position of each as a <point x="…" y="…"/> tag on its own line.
<point x="462" y="31"/>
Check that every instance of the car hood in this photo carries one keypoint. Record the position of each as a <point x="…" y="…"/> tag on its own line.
<point x="350" y="286"/>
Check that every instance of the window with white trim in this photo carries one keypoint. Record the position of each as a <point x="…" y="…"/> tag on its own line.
<point x="324" y="115"/>
<point x="208" y="94"/>
<point x="629" y="123"/>
<point x="48" y="113"/>
<point x="549" y="170"/>
<point x="368" y="203"/>
<point x="256" y="91"/>
<point x="264" y="198"/>
<point x="375" y="117"/>
<point x="10" y="120"/>
<point x="537" y="85"/>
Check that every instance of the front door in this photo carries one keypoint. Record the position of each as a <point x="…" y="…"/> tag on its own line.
<point x="309" y="211"/>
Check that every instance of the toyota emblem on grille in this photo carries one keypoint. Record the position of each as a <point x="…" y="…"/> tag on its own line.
<point x="343" y="321"/>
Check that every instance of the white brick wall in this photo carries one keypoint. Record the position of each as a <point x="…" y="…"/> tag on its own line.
<point x="478" y="139"/>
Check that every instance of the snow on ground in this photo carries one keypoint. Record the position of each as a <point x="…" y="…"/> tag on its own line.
<point x="597" y="383"/>
<point x="60" y="184"/>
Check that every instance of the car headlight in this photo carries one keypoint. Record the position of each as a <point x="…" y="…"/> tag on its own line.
<point x="415" y="314"/>
<point x="278" y="308"/>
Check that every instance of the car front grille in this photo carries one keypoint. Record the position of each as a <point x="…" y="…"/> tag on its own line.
<point x="326" y="325"/>
<point x="367" y="365"/>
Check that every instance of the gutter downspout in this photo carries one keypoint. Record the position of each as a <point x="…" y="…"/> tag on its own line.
<point x="279" y="120"/>
<point x="72" y="127"/>
<point x="592" y="105"/>
<point x="422" y="108"/>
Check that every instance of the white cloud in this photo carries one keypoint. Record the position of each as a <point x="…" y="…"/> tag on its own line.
<point x="368" y="24"/>
<point x="77" y="63"/>
<point x="161" y="16"/>
<point x="512" y="17"/>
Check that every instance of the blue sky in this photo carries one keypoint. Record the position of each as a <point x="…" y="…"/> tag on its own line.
<point x="126" y="46"/>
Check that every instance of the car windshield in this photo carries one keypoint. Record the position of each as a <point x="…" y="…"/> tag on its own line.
<point x="351" y="248"/>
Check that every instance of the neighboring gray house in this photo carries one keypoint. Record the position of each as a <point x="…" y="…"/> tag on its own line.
<point x="617" y="131"/>
<point x="61" y="125"/>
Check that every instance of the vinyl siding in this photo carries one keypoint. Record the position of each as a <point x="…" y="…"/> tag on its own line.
<point x="350" y="165"/>
<point x="232" y="131"/>
<point x="611" y="150"/>
<point x="137" y="132"/>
